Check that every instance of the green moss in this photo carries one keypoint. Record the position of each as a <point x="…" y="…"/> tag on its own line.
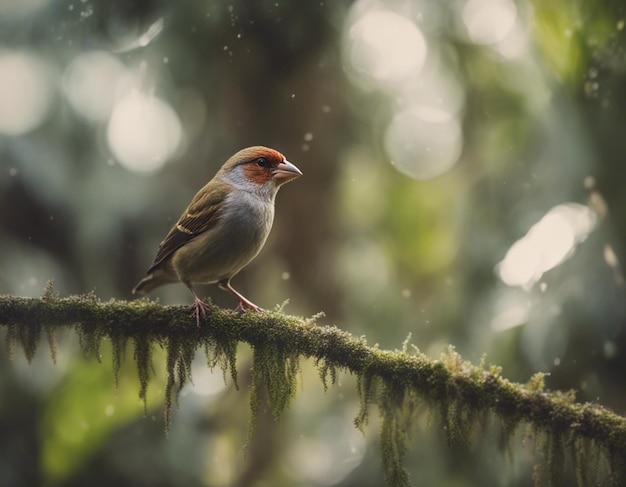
<point x="554" y="465"/>
<point x="89" y="338"/>
<point x="274" y="373"/>
<point x="364" y="383"/>
<point x="586" y="457"/>
<point x="180" y="354"/>
<point x="222" y="353"/>
<point x="52" y="342"/>
<point x="397" y="408"/>
<point x="459" y="420"/>
<point x="589" y="437"/>
<point x="26" y="337"/>
<point x="537" y="382"/>
<point x="118" y="348"/>
<point x="326" y="370"/>
<point x="508" y="427"/>
<point x="142" y="356"/>
<point x="49" y="294"/>
<point x="617" y="463"/>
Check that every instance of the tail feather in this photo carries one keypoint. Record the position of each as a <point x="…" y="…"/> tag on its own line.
<point x="149" y="283"/>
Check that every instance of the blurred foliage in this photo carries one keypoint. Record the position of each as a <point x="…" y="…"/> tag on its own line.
<point x="535" y="94"/>
<point x="83" y="409"/>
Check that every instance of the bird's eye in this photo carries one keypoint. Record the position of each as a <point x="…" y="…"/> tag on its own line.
<point x="261" y="162"/>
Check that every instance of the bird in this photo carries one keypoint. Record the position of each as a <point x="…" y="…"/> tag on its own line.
<point x="224" y="227"/>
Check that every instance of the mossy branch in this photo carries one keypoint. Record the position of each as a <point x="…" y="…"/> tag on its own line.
<point x="462" y="394"/>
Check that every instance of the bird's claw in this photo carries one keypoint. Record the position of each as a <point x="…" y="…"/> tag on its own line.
<point x="249" y="306"/>
<point x="199" y="307"/>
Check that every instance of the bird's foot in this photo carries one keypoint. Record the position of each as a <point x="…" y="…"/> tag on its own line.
<point x="245" y="305"/>
<point x="200" y="308"/>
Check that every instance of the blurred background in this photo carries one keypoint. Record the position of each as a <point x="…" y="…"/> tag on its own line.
<point x="464" y="166"/>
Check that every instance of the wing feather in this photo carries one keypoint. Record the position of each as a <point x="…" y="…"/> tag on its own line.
<point x="201" y="215"/>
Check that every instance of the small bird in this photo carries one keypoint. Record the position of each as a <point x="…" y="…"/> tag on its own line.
<point x="223" y="228"/>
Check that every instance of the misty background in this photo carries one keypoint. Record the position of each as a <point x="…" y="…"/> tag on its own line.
<point x="464" y="166"/>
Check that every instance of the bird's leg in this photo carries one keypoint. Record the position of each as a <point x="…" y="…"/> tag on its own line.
<point x="244" y="303"/>
<point x="199" y="307"/>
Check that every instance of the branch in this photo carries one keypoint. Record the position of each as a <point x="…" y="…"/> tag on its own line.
<point x="463" y="394"/>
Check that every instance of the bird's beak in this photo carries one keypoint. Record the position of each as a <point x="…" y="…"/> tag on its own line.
<point x="286" y="171"/>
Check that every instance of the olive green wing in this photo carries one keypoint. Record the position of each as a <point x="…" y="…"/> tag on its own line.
<point x="201" y="215"/>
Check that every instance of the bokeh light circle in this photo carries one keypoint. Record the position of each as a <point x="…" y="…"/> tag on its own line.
<point x="386" y="46"/>
<point x="93" y="82"/>
<point x="26" y="91"/>
<point x="424" y="142"/>
<point x="143" y="132"/>
<point x="489" y="21"/>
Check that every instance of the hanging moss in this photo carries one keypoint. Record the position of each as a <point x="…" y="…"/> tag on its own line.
<point x="555" y="455"/>
<point x="52" y="342"/>
<point x="364" y="385"/>
<point x="397" y="405"/>
<point x="89" y="339"/>
<point x="48" y="296"/>
<point x="617" y="462"/>
<point x="143" y="359"/>
<point x="550" y="472"/>
<point x="222" y="353"/>
<point x="26" y="337"/>
<point x="274" y="373"/>
<point x="326" y="369"/>
<point x="588" y="436"/>
<point x="180" y="354"/>
<point x="508" y="427"/>
<point x="459" y="420"/>
<point x="586" y="457"/>
<point x="118" y="349"/>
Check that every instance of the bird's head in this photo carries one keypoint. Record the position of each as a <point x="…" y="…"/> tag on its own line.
<point x="259" y="169"/>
